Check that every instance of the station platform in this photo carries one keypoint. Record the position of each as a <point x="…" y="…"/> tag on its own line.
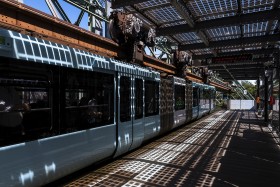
<point x="226" y="148"/>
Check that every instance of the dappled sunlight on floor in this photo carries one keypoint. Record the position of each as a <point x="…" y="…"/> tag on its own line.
<point x="230" y="148"/>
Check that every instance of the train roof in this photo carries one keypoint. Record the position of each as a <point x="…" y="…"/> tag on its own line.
<point x="24" y="47"/>
<point x="203" y="85"/>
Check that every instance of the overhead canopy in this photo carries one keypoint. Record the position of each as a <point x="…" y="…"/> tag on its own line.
<point x="213" y="28"/>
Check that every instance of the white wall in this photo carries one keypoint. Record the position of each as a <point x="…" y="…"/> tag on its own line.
<point x="241" y="104"/>
<point x="276" y="105"/>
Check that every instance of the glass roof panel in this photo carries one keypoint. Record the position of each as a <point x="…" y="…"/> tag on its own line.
<point x="211" y="9"/>
<point x="202" y="51"/>
<point x="173" y="24"/>
<point x="255" y="29"/>
<point x="229" y="50"/>
<point x="150" y="4"/>
<point x="224" y="33"/>
<point x="164" y="14"/>
<point x="250" y="6"/>
<point x="274" y="27"/>
<point x="188" y="38"/>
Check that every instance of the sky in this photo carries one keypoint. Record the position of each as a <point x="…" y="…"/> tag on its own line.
<point x="71" y="11"/>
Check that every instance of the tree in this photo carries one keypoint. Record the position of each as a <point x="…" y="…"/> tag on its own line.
<point x="251" y="88"/>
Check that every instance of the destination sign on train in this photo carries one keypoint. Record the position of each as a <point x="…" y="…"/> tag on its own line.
<point x="232" y="59"/>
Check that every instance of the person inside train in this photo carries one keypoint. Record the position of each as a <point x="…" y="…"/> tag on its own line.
<point x="11" y="109"/>
<point x="94" y="108"/>
<point x="91" y="115"/>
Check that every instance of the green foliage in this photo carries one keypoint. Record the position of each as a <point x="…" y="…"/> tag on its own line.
<point x="251" y="88"/>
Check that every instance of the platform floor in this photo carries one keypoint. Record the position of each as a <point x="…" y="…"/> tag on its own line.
<point x="227" y="148"/>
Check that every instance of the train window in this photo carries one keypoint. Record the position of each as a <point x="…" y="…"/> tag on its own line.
<point x="89" y="100"/>
<point x="125" y="99"/>
<point x="138" y="98"/>
<point x="25" y="112"/>
<point x="179" y="95"/>
<point x="195" y="96"/>
<point x="207" y="94"/>
<point x="151" y="98"/>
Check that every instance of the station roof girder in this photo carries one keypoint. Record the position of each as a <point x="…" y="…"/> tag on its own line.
<point x="207" y="29"/>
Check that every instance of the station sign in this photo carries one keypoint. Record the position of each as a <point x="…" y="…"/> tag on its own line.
<point x="232" y="59"/>
<point x="227" y="60"/>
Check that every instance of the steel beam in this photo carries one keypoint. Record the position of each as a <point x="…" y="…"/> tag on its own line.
<point x="265" y="99"/>
<point x="182" y="10"/>
<point x="240" y="78"/>
<point x="231" y="42"/>
<point x="89" y="12"/>
<point x="222" y="22"/>
<point x="122" y="3"/>
<point x="254" y="52"/>
<point x="244" y="71"/>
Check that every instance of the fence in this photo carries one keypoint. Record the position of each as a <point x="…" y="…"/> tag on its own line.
<point x="241" y="104"/>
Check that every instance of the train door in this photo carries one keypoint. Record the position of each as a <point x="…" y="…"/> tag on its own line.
<point x="212" y="99"/>
<point x="206" y="95"/>
<point x="152" y="117"/>
<point x="189" y="103"/>
<point x="195" y="107"/>
<point x="179" y="101"/>
<point x="166" y="105"/>
<point x="138" y="112"/>
<point x="201" y="101"/>
<point x="124" y="121"/>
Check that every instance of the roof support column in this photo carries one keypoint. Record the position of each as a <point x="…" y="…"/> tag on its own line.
<point x="258" y="92"/>
<point x="277" y="61"/>
<point x="265" y="99"/>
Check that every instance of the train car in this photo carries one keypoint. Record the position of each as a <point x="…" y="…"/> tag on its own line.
<point x="203" y="100"/>
<point x="175" y="102"/>
<point x="62" y="109"/>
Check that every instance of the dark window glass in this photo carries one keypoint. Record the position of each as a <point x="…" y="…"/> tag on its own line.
<point x="151" y="98"/>
<point x="125" y="99"/>
<point x="50" y="53"/>
<point x="195" y="96"/>
<point x="207" y="94"/>
<point x="138" y="98"/>
<point x="179" y="95"/>
<point x="25" y="112"/>
<point x="89" y="100"/>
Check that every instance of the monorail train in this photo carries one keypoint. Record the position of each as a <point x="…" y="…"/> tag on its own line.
<point x="62" y="109"/>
